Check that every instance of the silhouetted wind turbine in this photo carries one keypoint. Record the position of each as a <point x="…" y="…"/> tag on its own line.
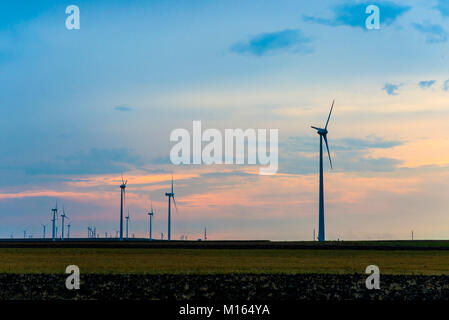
<point x="151" y="213"/>
<point x="43" y="235"/>
<point x="323" y="135"/>
<point x="170" y="195"/>
<point x="68" y="231"/>
<point x="55" y="214"/>
<point x="122" y="205"/>
<point x="127" y="222"/>
<point x="63" y="216"/>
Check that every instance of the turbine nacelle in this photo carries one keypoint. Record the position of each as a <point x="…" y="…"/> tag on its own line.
<point x="320" y="131"/>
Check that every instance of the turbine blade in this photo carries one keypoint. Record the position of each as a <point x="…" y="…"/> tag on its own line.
<point x="174" y="202"/>
<point x="315" y="128"/>
<point x="172" y="183"/>
<point x="327" y="146"/>
<point x="330" y="112"/>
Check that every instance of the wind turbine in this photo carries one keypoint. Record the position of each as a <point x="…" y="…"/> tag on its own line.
<point x="122" y="204"/>
<point x="43" y="236"/>
<point x="170" y="195"/>
<point x="63" y="216"/>
<point x="55" y="214"/>
<point x="24" y="234"/>
<point x="68" y="231"/>
<point x="205" y="233"/>
<point x="151" y="213"/>
<point x="323" y="135"/>
<point x="127" y="222"/>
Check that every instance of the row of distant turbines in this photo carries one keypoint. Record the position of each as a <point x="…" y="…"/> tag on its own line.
<point x="92" y="232"/>
<point x="170" y="195"/>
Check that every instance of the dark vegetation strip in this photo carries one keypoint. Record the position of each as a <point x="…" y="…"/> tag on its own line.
<point x="260" y="244"/>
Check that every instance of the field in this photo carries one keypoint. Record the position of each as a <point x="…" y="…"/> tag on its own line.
<point x="207" y="261"/>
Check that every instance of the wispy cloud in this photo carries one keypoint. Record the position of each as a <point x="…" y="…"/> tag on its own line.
<point x="291" y="40"/>
<point x="95" y="161"/>
<point x="123" y="108"/>
<point x="443" y="7"/>
<point x="446" y="85"/>
<point x="354" y="15"/>
<point x="434" y="32"/>
<point x="391" y="89"/>
<point x="300" y="154"/>
<point x="426" y="84"/>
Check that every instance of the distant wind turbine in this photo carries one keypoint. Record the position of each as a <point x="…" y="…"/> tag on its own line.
<point x="122" y="205"/>
<point x="323" y="135"/>
<point x="24" y="234"/>
<point x="43" y="235"/>
<point x="68" y="231"/>
<point x="63" y="216"/>
<point x="151" y="213"/>
<point x="127" y="222"/>
<point x="55" y="215"/>
<point x="170" y="195"/>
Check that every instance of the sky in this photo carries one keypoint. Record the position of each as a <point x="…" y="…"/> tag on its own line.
<point x="79" y="107"/>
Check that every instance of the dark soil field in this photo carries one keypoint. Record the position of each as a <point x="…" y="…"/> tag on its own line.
<point x="224" y="287"/>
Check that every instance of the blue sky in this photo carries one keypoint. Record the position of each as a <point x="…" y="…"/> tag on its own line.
<point x="81" y="106"/>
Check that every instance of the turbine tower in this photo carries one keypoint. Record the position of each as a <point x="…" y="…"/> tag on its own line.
<point x="122" y="205"/>
<point x="127" y="222"/>
<point x="55" y="214"/>
<point x="63" y="216"/>
<point x="323" y="135"/>
<point x="68" y="231"/>
<point x="170" y="195"/>
<point x="151" y="213"/>
<point x="44" y="226"/>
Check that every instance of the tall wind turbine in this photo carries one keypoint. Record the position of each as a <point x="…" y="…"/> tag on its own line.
<point x="151" y="213"/>
<point x="127" y="222"/>
<point x="63" y="216"/>
<point x="43" y="235"/>
<point x="68" y="230"/>
<point x="122" y="204"/>
<point x="170" y="195"/>
<point x="323" y="135"/>
<point x="55" y="214"/>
